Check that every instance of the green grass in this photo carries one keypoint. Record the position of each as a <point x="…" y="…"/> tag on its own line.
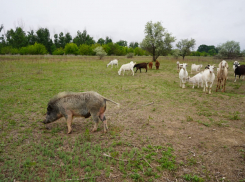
<point x="31" y="152"/>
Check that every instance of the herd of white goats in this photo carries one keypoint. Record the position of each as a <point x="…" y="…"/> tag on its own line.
<point x="204" y="78"/>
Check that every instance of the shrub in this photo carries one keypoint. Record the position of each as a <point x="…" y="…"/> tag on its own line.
<point x="71" y="48"/>
<point x="33" y="49"/>
<point x="100" y="52"/>
<point x="130" y="55"/>
<point x="59" y="51"/>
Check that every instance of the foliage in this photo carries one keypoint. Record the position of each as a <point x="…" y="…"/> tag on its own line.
<point x="17" y="38"/>
<point x="184" y="46"/>
<point x="100" y="52"/>
<point x="59" y="51"/>
<point x="122" y="43"/>
<point x="101" y="41"/>
<point x="175" y="53"/>
<point x="230" y="49"/>
<point x="43" y="37"/>
<point x="9" y="50"/>
<point x="133" y="44"/>
<point x="36" y="49"/>
<point x="85" y="49"/>
<point x="71" y="48"/>
<point x="83" y="38"/>
<point x="130" y="55"/>
<point x="206" y="48"/>
<point x="157" y="41"/>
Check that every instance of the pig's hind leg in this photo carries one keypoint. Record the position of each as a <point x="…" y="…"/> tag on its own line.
<point x="96" y="121"/>
<point x="103" y="119"/>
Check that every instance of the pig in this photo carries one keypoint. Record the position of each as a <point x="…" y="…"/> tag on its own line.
<point x="84" y="104"/>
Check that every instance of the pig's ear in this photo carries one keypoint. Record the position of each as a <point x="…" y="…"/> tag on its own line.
<point x="49" y="108"/>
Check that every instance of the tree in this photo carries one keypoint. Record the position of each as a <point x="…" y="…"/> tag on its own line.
<point x="17" y="38"/>
<point x="31" y="37"/>
<point x="61" y="41"/>
<point x="108" y="40"/>
<point x="134" y="44"/>
<point x="157" y="41"/>
<point x="83" y="38"/>
<point x="71" y="48"/>
<point x="101" y="41"/>
<point x="122" y="43"/>
<point x="43" y="37"/>
<point x="185" y="46"/>
<point x="68" y="38"/>
<point x="100" y="52"/>
<point x="56" y="41"/>
<point x="230" y="49"/>
<point x="205" y="48"/>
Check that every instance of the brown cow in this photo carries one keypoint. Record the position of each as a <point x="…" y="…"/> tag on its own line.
<point x="157" y="64"/>
<point x="150" y="65"/>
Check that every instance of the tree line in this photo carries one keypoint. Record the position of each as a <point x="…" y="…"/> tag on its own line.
<point x="40" y="42"/>
<point x="157" y="42"/>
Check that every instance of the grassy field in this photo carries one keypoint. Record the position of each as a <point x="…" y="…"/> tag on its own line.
<point x="161" y="132"/>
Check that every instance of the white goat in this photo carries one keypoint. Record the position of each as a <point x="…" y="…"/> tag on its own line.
<point x="183" y="75"/>
<point x="208" y="77"/>
<point x="197" y="79"/>
<point x="113" y="62"/>
<point x="127" y="67"/>
<point x="195" y="67"/>
<point x="179" y="66"/>
<point x="222" y="75"/>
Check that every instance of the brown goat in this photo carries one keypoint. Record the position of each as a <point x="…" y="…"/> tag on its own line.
<point x="157" y="64"/>
<point x="150" y="65"/>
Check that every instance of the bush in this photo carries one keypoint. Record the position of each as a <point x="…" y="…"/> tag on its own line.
<point x="71" y="48"/>
<point x="59" y="51"/>
<point x="130" y="55"/>
<point x="100" y="52"/>
<point x="9" y="50"/>
<point x="85" y="50"/>
<point x="34" y="49"/>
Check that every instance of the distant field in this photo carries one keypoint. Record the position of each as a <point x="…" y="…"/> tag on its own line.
<point x="161" y="132"/>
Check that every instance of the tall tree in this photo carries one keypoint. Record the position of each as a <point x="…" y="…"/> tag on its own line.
<point x="43" y="37"/>
<point x="61" y="41"/>
<point x="56" y="41"/>
<point x="122" y="43"/>
<point x="185" y="47"/>
<point x="230" y="49"/>
<point x="157" y="41"/>
<point x="17" y="38"/>
<point x="101" y="41"/>
<point x="68" y="38"/>
<point x="108" y="40"/>
<point x="83" y="38"/>
<point x="134" y="44"/>
<point x="31" y="37"/>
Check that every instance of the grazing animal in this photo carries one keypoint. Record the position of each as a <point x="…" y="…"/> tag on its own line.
<point x="240" y="70"/>
<point x="140" y="65"/>
<point x="157" y="64"/>
<point x="113" y="62"/>
<point x="84" y="104"/>
<point x="207" y="67"/>
<point x="208" y="77"/>
<point x="234" y="65"/>
<point x="179" y="66"/>
<point x="222" y="75"/>
<point x="195" y="67"/>
<point x="127" y="67"/>
<point x="197" y="79"/>
<point x="183" y="75"/>
<point x="150" y="65"/>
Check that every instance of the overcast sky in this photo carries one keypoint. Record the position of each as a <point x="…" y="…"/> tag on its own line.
<point x="209" y="22"/>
